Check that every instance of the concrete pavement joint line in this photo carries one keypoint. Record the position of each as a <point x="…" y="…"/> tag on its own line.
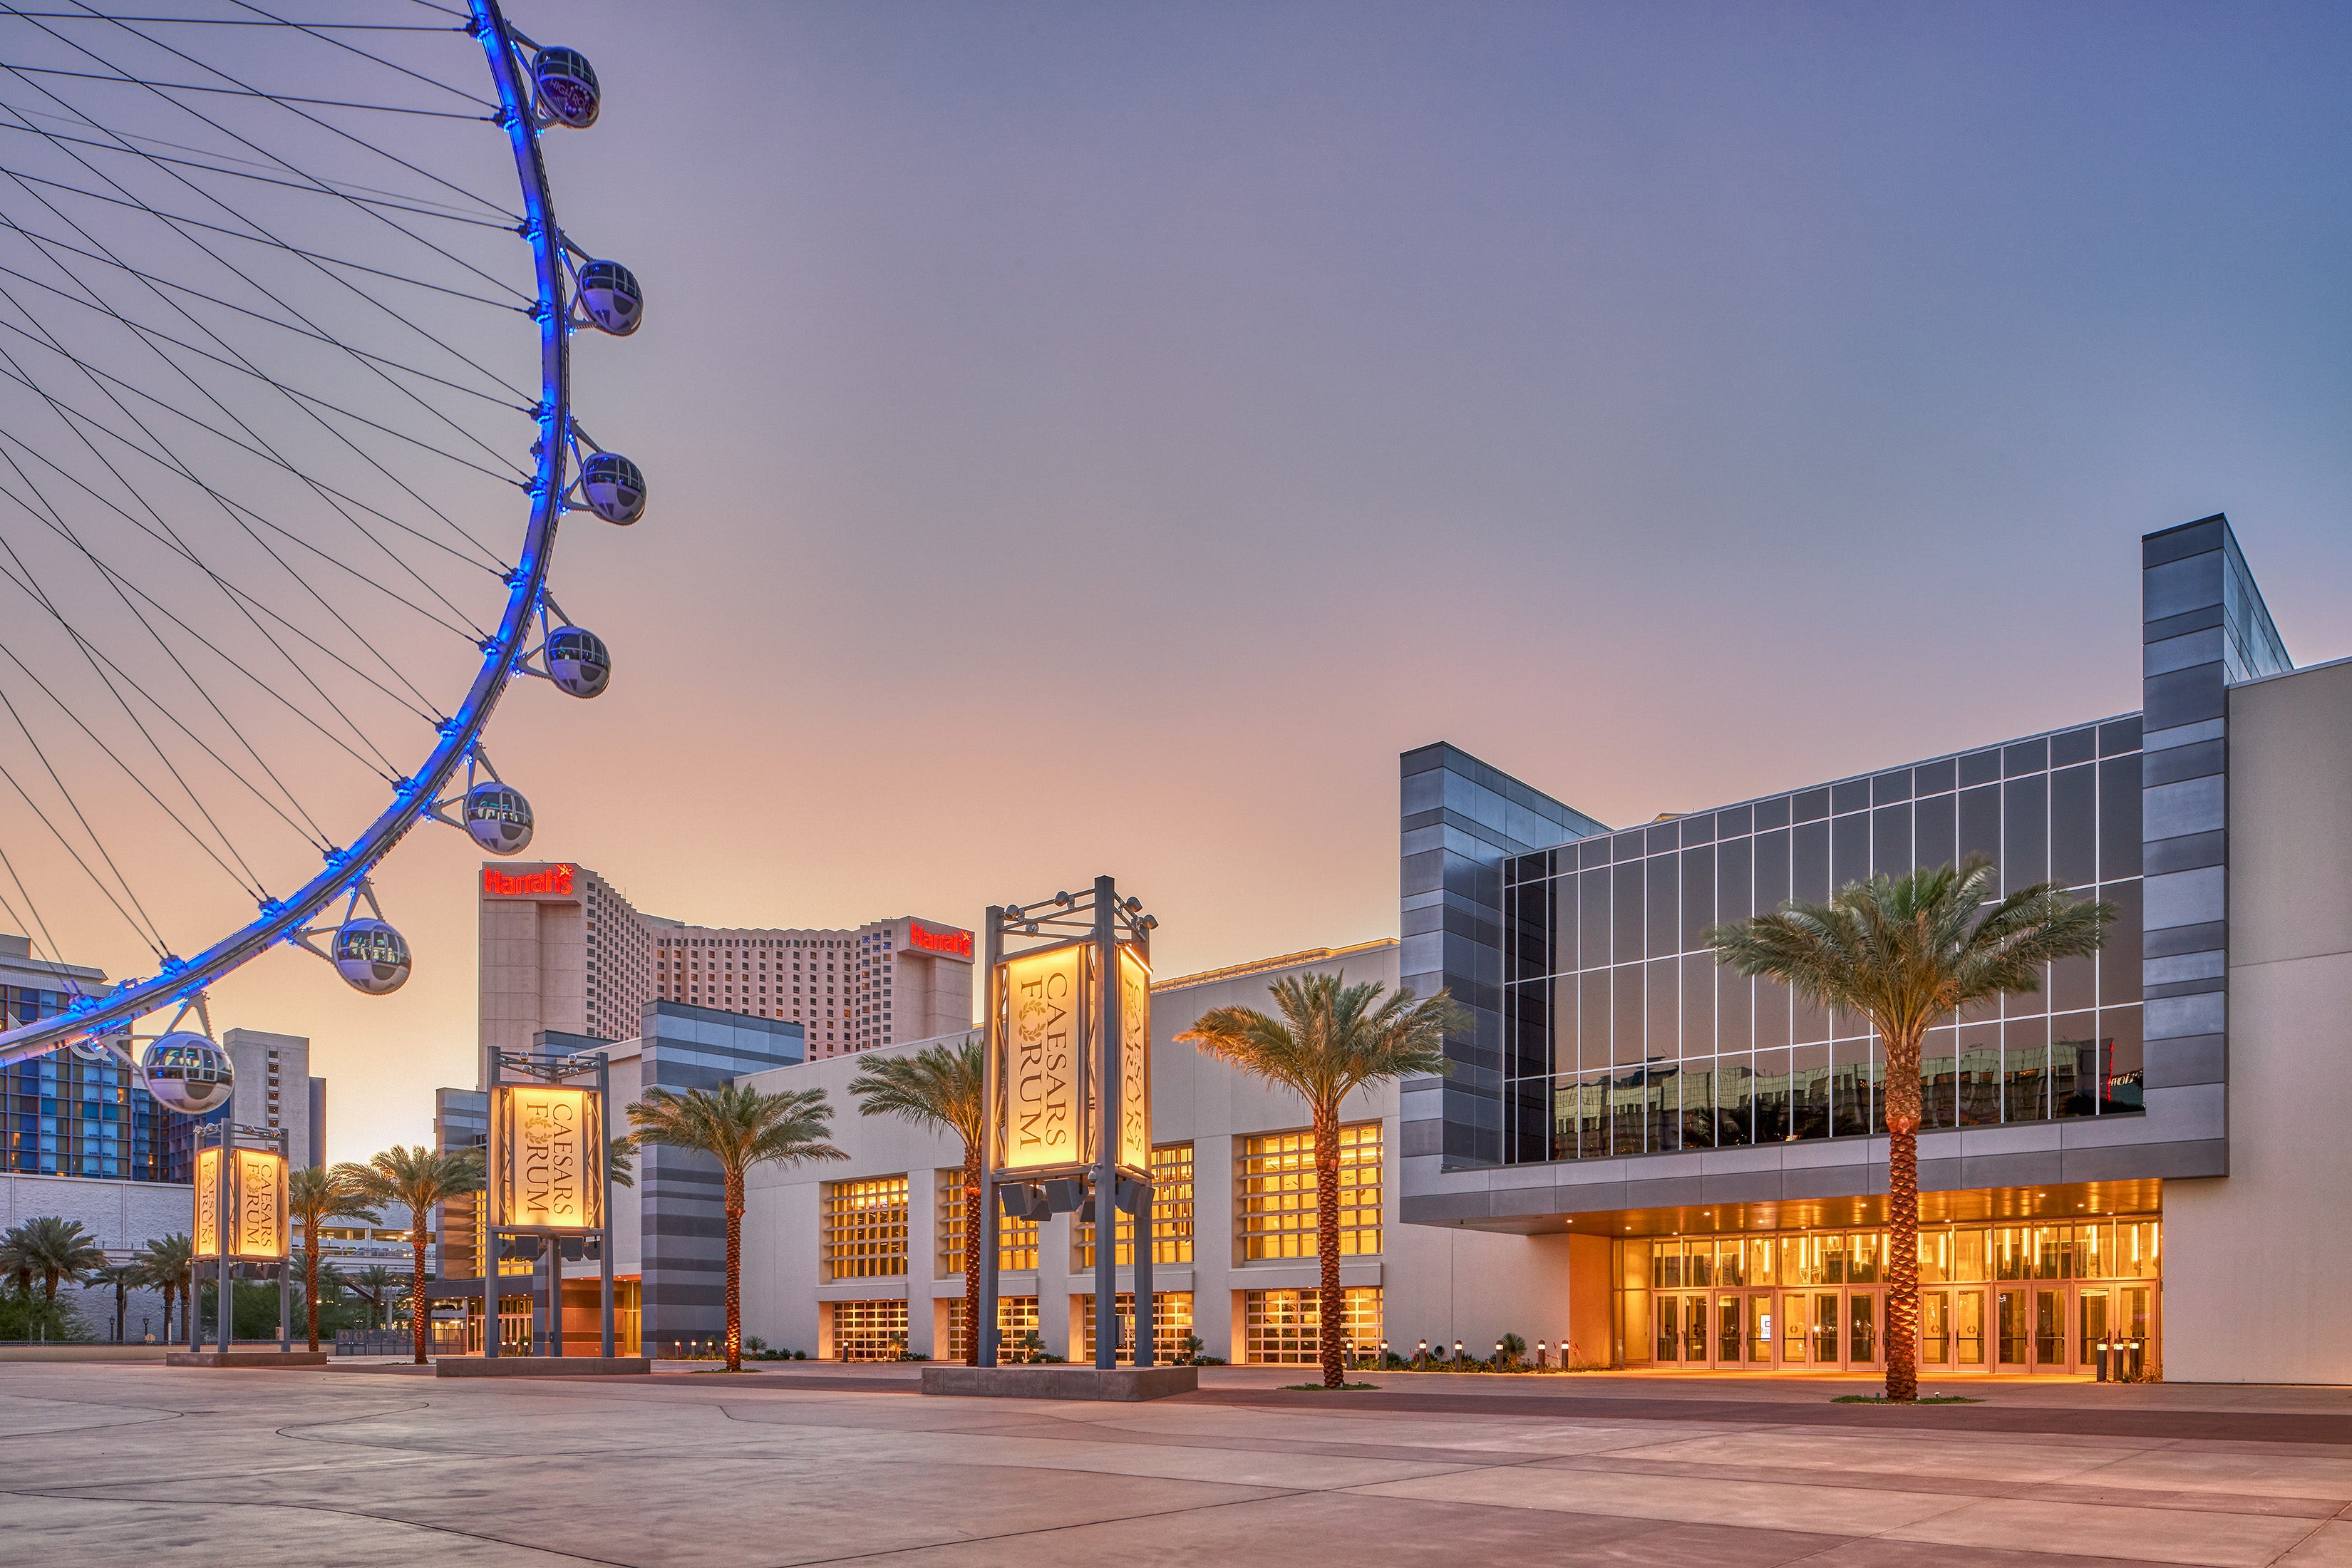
<point x="340" y="1513"/>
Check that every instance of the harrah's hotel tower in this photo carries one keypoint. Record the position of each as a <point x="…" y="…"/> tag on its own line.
<point x="562" y="950"/>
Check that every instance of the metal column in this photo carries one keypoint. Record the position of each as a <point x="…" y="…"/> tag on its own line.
<point x="1108" y="1098"/>
<point x="489" y="1259"/>
<point x="605" y="1237"/>
<point x="986" y="1240"/>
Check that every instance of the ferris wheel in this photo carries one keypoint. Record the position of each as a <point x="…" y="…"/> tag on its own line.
<point x="287" y="436"/>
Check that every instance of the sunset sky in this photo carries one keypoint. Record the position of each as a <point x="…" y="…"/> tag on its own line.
<point x="1094" y="438"/>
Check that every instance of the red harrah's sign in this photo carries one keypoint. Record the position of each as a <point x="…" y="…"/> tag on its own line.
<point x="955" y="944"/>
<point x="556" y="879"/>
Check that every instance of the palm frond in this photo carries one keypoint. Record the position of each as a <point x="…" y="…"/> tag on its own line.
<point x="938" y="1087"/>
<point x="1331" y="1039"/>
<point x="738" y="1125"/>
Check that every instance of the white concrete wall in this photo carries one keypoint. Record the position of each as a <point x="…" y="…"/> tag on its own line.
<point x="2255" y="1272"/>
<point x="1438" y="1283"/>
<point x="124" y="1217"/>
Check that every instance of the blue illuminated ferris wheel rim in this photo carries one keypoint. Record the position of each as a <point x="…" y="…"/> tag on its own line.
<point x="287" y="919"/>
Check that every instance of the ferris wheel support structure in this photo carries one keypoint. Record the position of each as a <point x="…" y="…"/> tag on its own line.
<point x="180" y="982"/>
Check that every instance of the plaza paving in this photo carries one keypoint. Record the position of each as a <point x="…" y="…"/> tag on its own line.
<point x="140" y="1464"/>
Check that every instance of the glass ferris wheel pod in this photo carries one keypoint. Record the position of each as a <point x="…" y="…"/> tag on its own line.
<point x="287" y="436"/>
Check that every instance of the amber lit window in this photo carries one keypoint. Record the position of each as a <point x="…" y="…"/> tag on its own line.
<point x="868" y="1330"/>
<point x="1280" y="1326"/>
<point x="1016" y="1239"/>
<point x="1016" y="1319"/>
<point x="1171" y="1325"/>
<point x="865" y="1232"/>
<point x="1172" y="1215"/>
<point x="1276" y="1206"/>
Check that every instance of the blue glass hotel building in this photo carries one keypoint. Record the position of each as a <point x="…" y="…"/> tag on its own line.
<point x="2096" y="1156"/>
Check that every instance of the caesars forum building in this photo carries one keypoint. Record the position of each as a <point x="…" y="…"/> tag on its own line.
<point x="1660" y="1165"/>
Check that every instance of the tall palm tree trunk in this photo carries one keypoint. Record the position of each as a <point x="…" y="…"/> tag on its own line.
<point x="311" y="1286"/>
<point x="1902" y="1218"/>
<point x="734" y="1272"/>
<point x="419" y="1314"/>
<point x="1327" y="1244"/>
<point x="972" y="1217"/>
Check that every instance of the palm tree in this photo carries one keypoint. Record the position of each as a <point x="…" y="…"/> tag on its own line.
<point x="621" y="1161"/>
<point x="375" y="1285"/>
<point x="14" y="1261"/>
<point x="939" y="1089"/>
<point x="739" y="1127"/>
<point x="313" y="1196"/>
<point x="56" y="1249"/>
<point x="166" y="1263"/>
<point x="1906" y="953"/>
<point x="419" y="1179"/>
<point x="1329" y="1042"/>
<point x="124" y="1277"/>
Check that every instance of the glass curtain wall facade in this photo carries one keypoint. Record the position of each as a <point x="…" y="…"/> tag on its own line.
<point x="66" y="1117"/>
<point x="1623" y="1035"/>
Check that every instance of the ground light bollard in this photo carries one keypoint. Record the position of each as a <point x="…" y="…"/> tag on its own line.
<point x="1066" y="1093"/>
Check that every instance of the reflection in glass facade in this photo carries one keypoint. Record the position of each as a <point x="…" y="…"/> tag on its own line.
<point x="1623" y="1035"/>
<point x="62" y="1116"/>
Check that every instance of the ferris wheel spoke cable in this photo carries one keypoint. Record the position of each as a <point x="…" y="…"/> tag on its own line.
<point x="143" y="923"/>
<point x="241" y="873"/>
<point x="155" y="284"/>
<point x="127" y="80"/>
<point x="237" y="514"/>
<point x="38" y="928"/>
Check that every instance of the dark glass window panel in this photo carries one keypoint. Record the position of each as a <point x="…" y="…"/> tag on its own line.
<point x="1592" y="1020"/>
<point x="1735" y="1117"/>
<point x="1698" y="897"/>
<point x="2120" y="977"/>
<point x="1592" y="918"/>
<point x="2119" y="849"/>
<point x="2073" y="983"/>
<point x="1629" y="845"/>
<point x="2074" y="1064"/>
<point x="2073" y="746"/>
<point x="1698" y="1004"/>
<point x="1559" y="901"/>
<point x="1810" y="806"/>
<point x="1699" y="828"/>
<point x="2120" y="736"/>
<point x="1772" y="1008"/>
<point x="1593" y="851"/>
<point x="1661" y="1107"/>
<point x="1527" y="1029"/>
<point x="1663" y="933"/>
<point x="1851" y="796"/>
<point x="1807" y="1022"/>
<point x="1887" y="788"/>
<point x="1809" y="863"/>
<point x="2028" y="1004"/>
<point x="2073" y="827"/>
<point x="1734" y="879"/>
<point x="1937" y="825"/>
<point x="1848" y="849"/>
<point x="1773" y="813"/>
<point x="1769" y="1094"/>
<point x="1698" y="1103"/>
<point x="1890" y="840"/>
<point x="1771" y="870"/>
<point x="1939" y="1081"/>
<point x="1734" y="1011"/>
<point x="2025" y="757"/>
<point x="1809" y="1091"/>
<point x="1979" y="767"/>
<point x="1854" y="1109"/>
<point x="1627" y="1090"/>
<point x="1528" y="1118"/>
<point x="2025" y="832"/>
<point x="1735" y="821"/>
<point x="2119" y="1047"/>
<point x="1665" y="1041"/>
<point x="1666" y="836"/>
<point x="1935" y="778"/>
<point x="2025" y="1070"/>
<point x="1980" y="823"/>
<point x="1628" y="1040"/>
<point x="1978" y="1073"/>
<point x="1625" y="912"/>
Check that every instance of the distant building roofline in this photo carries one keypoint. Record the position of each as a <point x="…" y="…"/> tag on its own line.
<point x="1267" y="965"/>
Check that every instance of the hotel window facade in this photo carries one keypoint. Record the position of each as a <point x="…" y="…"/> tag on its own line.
<point x="1275" y="1204"/>
<point x="864" y="1235"/>
<point x="1171" y="1325"/>
<point x="1171" y="1215"/>
<point x="1623" y="1036"/>
<point x="1016" y="1239"/>
<point x="1280" y="1327"/>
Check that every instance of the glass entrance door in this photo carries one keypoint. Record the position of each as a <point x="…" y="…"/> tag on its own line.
<point x="2050" y="1331"/>
<point x="1936" y="1329"/>
<point x="2011" y="1342"/>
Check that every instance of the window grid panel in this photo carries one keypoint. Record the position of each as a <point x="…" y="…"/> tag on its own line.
<point x="1275" y="1207"/>
<point x="1172" y="1215"/>
<point x="868" y="1330"/>
<point x="865" y="1230"/>
<point x="1016" y="1316"/>
<point x="1016" y="1239"/>
<point x="1281" y="1327"/>
<point x="1171" y="1323"/>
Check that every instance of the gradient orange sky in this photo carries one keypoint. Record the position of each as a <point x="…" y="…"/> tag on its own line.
<point x="1092" y="438"/>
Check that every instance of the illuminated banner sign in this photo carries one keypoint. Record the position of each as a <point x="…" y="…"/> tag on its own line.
<point x="548" y="881"/>
<point x="1040" y="1073"/>
<point x="547" y="1151"/>
<point x="948" y="943"/>
<point x="257" y="1205"/>
<point x="1134" y="1061"/>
